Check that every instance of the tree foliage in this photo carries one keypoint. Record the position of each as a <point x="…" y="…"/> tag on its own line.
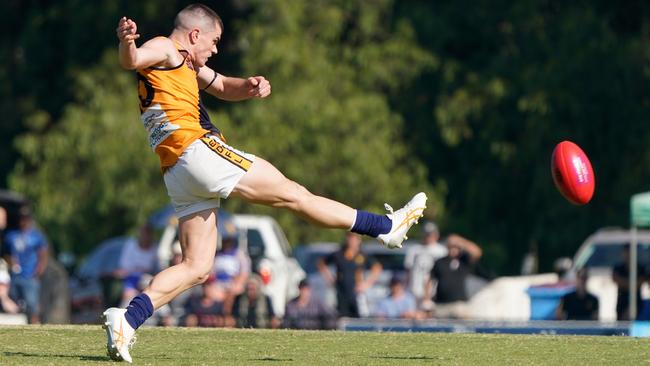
<point x="372" y="100"/>
<point x="328" y="124"/>
<point x="515" y="79"/>
<point x="92" y="175"/>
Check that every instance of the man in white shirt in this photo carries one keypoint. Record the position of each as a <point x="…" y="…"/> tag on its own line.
<point x="138" y="260"/>
<point x="419" y="262"/>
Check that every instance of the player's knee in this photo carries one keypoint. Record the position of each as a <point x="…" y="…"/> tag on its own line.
<point x="296" y="194"/>
<point x="199" y="271"/>
<point x="202" y="278"/>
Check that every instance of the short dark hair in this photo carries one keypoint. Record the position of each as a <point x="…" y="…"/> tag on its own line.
<point x="201" y="11"/>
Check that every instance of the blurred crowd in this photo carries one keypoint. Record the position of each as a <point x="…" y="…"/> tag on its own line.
<point x="431" y="284"/>
<point x="234" y="296"/>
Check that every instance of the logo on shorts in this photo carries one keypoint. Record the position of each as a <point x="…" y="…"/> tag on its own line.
<point x="228" y="154"/>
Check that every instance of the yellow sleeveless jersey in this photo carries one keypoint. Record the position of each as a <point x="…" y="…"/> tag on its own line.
<point x="170" y="109"/>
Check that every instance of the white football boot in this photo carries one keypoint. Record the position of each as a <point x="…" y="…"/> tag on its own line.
<point x="402" y="220"/>
<point x="120" y="335"/>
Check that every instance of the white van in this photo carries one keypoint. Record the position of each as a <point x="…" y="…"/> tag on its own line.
<point x="271" y="258"/>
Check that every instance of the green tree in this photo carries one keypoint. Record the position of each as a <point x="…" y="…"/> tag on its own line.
<point x="92" y="174"/>
<point x="516" y="78"/>
<point x="328" y="124"/>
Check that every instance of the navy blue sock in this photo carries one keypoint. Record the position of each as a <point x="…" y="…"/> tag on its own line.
<point x="371" y="224"/>
<point x="139" y="310"/>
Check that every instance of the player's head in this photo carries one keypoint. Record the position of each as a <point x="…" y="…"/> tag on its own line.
<point x="203" y="27"/>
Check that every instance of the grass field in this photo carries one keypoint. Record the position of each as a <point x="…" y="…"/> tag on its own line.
<point x="85" y="345"/>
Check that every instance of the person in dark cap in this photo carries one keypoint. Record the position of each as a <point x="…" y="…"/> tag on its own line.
<point x="26" y="252"/>
<point x="307" y="312"/>
<point x="419" y="262"/>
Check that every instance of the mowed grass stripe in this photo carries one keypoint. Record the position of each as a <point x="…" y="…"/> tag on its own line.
<point x="85" y="345"/>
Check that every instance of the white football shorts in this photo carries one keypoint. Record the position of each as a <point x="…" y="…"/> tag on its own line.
<point x="208" y="170"/>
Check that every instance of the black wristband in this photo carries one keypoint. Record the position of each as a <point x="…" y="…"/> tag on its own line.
<point x="211" y="81"/>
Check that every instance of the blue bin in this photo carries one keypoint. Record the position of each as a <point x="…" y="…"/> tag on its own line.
<point x="545" y="299"/>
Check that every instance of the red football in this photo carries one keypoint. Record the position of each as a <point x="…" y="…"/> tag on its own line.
<point x="572" y="173"/>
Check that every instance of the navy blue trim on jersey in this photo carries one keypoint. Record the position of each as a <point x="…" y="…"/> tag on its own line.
<point x="185" y="56"/>
<point x="204" y="119"/>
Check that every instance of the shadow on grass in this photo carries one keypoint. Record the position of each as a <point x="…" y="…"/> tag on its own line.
<point x="46" y="355"/>
<point x="271" y="359"/>
<point x="404" y="357"/>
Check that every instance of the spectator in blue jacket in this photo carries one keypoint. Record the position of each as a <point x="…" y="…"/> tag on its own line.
<point x="26" y="251"/>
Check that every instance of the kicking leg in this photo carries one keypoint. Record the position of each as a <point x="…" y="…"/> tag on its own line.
<point x="265" y="184"/>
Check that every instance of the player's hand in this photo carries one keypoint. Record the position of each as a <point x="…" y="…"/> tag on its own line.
<point x="258" y="87"/>
<point x="127" y="30"/>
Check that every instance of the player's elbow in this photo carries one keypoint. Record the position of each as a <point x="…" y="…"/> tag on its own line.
<point x="129" y="62"/>
<point x="128" y="65"/>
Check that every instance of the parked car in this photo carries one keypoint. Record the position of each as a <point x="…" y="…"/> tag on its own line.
<point x="599" y="253"/>
<point x="604" y="248"/>
<point x="271" y="257"/>
<point x="506" y="298"/>
<point x="392" y="261"/>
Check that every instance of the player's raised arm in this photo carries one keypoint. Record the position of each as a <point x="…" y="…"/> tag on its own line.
<point x="151" y="53"/>
<point x="231" y="88"/>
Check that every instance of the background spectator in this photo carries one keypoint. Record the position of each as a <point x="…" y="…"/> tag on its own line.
<point x="349" y="282"/>
<point x="579" y="304"/>
<point x="231" y="265"/>
<point x="3" y="227"/>
<point x="7" y="305"/>
<point x="26" y="252"/>
<point x="398" y="305"/>
<point x="621" y="275"/>
<point x="253" y="309"/>
<point x="307" y="312"/>
<point x="419" y="262"/>
<point x="451" y="274"/>
<point x="206" y="310"/>
<point x="138" y="261"/>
